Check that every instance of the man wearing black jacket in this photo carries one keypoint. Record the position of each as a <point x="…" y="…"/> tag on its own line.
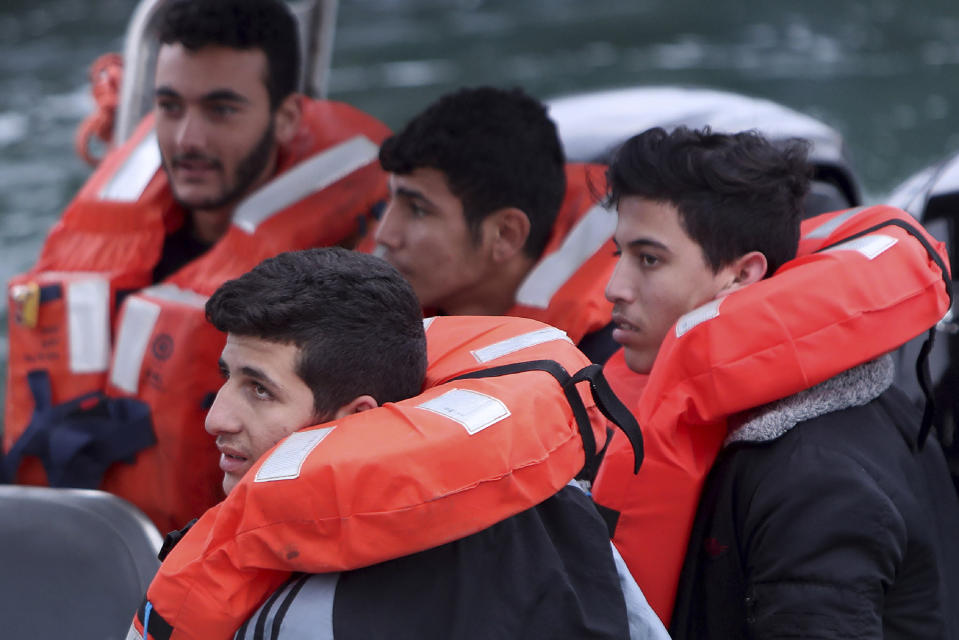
<point x="825" y="515"/>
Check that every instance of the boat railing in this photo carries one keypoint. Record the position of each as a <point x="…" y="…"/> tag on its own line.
<point x="316" y="20"/>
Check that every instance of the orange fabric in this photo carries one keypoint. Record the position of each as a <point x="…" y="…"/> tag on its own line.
<point x="626" y="384"/>
<point x="384" y="483"/>
<point x="820" y="314"/>
<point x="122" y="241"/>
<point x="106" y="75"/>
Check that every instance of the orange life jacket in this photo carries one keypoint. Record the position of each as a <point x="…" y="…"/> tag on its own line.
<point x="465" y="454"/>
<point x="158" y="348"/>
<point x="566" y="288"/>
<point x="626" y="383"/>
<point x="846" y="299"/>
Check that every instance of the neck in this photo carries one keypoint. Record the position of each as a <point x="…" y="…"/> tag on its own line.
<point x="210" y="225"/>
<point x="495" y="294"/>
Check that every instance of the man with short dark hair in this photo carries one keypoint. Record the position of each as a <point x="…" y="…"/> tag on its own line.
<point x="485" y="217"/>
<point x="289" y="333"/>
<point x="700" y="215"/>
<point x="225" y="102"/>
<point x="826" y="511"/>
<point x="323" y="334"/>
<point x="250" y="168"/>
<point x="227" y="111"/>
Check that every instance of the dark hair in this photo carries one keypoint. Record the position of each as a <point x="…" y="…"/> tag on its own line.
<point x="735" y="193"/>
<point x="240" y="24"/>
<point x="497" y="148"/>
<point x="354" y="318"/>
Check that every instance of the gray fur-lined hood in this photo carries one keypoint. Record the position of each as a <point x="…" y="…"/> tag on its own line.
<point x="851" y="388"/>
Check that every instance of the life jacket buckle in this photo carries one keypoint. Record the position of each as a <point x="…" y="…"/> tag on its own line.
<point x="26" y="304"/>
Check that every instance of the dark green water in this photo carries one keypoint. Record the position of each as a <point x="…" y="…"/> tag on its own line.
<point x="883" y="72"/>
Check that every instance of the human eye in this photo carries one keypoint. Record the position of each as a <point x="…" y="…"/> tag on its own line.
<point x="168" y="106"/>
<point x="417" y="210"/>
<point x="222" y="109"/>
<point x="259" y="391"/>
<point x="224" y="372"/>
<point x="648" y="260"/>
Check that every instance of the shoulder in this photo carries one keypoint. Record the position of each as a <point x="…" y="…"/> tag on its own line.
<point x="330" y="114"/>
<point x="844" y="464"/>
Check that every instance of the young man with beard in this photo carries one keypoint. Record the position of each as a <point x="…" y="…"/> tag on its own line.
<point x="247" y="168"/>
<point x="226" y="108"/>
<point x="315" y="337"/>
<point x="826" y="512"/>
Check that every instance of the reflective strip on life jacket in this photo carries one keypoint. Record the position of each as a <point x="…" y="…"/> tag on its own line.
<point x="140" y="316"/>
<point x="870" y="246"/>
<point x="288" y="458"/>
<point x="475" y="411"/>
<point x="554" y="270"/>
<point x="308" y="177"/>
<point x="511" y="345"/>
<point x="698" y="316"/>
<point x="133" y="176"/>
<point x="826" y="229"/>
<point x="88" y="324"/>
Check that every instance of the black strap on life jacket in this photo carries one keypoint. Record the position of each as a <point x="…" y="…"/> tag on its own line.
<point x="78" y="440"/>
<point x="922" y="361"/>
<point x="610" y="405"/>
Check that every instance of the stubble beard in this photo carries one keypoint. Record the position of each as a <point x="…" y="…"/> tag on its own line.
<point x="247" y="172"/>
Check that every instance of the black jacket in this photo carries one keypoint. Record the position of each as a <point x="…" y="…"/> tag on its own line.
<point x="549" y="572"/>
<point x="822" y="519"/>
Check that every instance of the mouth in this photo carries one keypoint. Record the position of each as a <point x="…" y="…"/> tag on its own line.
<point x="232" y="461"/>
<point x="621" y="323"/>
<point x="195" y="166"/>
<point x="623" y="330"/>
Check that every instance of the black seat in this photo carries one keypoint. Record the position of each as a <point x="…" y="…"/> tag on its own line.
<point x="74" y="563"/>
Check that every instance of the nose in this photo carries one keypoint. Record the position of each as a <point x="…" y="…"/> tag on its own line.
<point x="618" y="288"/>
<point x="222" y="418"/>
<point x="191" y="132"/>
<point x="388" y="232"/>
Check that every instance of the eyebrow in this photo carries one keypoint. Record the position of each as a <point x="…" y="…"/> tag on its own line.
<point x="253" y="373"/>
<point x="165" y="92"/>
<point x="412" y="194"/>
<point x="227" y="95"/>
<point x="256" y="374"/>
<point x="644" y="242"/>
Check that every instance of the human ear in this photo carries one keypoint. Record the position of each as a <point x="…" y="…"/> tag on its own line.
<point x="745" y="270"/>
<point x="286" y="118"/>
<point x="358" y="404"/>
<point x="508" y="229"/>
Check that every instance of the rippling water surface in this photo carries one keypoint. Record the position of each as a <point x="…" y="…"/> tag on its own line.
<point x="883" y="72"/>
